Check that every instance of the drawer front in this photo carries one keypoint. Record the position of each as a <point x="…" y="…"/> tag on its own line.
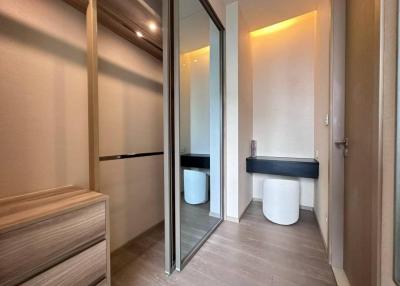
<point x="102" y="283"/>
<point x="83" y="269"/>
<point x="30" y="250"/>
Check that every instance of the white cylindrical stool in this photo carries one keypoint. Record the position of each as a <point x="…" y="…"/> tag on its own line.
<point x="195" y="187"/>
<point x="281" y="200"/>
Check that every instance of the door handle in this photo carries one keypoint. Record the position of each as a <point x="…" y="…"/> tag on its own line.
<point x="344" y="143"/>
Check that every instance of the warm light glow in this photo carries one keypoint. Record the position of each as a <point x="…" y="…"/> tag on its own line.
<point x="198" y="52"/>
<point x="279" y="26"/>
<point x="153" y="26"/>
<point x="139" y="34"/>
<point x="195" y="56"/>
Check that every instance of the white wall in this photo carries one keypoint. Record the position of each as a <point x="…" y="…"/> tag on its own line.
<point x="232" y="112"/>
<point x="245" y="113"/>
<point x="216" y="136"/>
<point x="200" y="106"/>
<point x="43" y="102"/>
<point x="283" y="90"/>
<point x="195" y="128"/>
<point x="238" y="106"/>
<point x="322" y="109"/>
<point x="131" y="112"/>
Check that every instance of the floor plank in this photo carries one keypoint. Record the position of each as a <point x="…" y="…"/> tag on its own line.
<point x="254" y="252"/>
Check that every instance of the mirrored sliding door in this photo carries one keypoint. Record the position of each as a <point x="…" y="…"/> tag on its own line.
<point x="198" y="105"/>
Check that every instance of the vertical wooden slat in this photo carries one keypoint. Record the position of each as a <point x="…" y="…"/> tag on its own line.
<point x="93" y="113"/>
<point x="93" y="106"/>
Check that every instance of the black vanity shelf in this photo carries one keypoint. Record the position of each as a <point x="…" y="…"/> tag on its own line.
<point x="201" y="161"/>
<point x="292" y="167"/>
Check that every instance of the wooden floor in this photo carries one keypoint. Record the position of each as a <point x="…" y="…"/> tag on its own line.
<point x="196" y="222"/>
<point x="254" y="252"/>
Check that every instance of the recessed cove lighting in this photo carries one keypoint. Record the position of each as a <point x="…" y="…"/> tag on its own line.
<point x="139" y="34"/>
<point x="153" y="26"/>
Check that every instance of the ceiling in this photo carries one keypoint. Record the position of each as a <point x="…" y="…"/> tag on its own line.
<point x="194" y="27"/>
<point x="262" y="13"/>
<point x="128" y="17"/>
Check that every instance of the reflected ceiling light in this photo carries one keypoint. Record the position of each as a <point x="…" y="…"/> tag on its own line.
<point x="139" y="34"/>
<point x="281" y="25"/>
<point x="153" y="26"/>
<point x="195" y="60"/>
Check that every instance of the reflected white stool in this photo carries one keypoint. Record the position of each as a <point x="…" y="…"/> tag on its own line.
<point x="195" y="187"/>
<point x="281" y="200"/>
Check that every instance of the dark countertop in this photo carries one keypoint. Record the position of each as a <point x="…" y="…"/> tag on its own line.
<point x="201" y="161"/>
<point x="286" y="159"/>
<point x="282" y="166"/>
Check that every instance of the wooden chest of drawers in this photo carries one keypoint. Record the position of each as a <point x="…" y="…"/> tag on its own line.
<point x="54" y="237"/>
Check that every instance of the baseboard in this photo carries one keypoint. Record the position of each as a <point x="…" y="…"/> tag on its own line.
<point x="301" y="207"/>
<point x="305" y="208"/>
<point x="216" y="215"/>
<point x="232" y="219"/>
<point x="245" y="210"/>
<point x="341" y="277"/>
<point x="320" y="232"/>
<point x="237" y="220"/>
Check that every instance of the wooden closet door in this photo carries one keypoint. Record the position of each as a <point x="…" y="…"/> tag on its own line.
<point x="362" y="129"/>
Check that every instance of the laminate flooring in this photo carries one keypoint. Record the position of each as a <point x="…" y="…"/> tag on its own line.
<point x="254" y="252"/>
<point x="196" y="222"/>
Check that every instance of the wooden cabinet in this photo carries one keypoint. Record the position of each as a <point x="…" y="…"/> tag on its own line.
<point x="54" y="237"/>
<point x="83" y="269"/>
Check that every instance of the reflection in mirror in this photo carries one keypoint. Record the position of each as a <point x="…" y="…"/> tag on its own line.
<point x="200" y="125"/>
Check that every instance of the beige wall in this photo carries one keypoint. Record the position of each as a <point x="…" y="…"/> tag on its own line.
<point x="43" y="112"/>
<point x="43" y="103"/>
<point x="195" y="102"/>
<point x="131" y="112"/>
<point x="283" y="90"/>
<point x="232" y="112"/>
<point x="321" y="109"/>
<point x="238" y="112"/>
<point x="388" y="84"/>
<point x="245" y="113"/>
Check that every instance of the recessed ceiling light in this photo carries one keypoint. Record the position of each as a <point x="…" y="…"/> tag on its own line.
<point x="153" y="26"/>
<point x="139" y="34"/>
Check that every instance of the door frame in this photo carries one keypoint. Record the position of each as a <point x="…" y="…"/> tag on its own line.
<point x="172" y="186"/>
<point x="168" y="129"/>
<point x="337" y="132"/>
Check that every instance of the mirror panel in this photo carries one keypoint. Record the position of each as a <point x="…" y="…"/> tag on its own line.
<point x="200" y="95"/>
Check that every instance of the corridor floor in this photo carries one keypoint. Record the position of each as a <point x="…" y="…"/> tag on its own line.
<point x="254" y="252"/>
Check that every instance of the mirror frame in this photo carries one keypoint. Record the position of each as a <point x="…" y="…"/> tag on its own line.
<point x="175" y="140"/>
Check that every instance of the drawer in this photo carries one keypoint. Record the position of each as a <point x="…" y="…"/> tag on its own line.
<point x="83" y="269"/>
<point x="102" y="283"/>
<point x="30" y="250"/>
